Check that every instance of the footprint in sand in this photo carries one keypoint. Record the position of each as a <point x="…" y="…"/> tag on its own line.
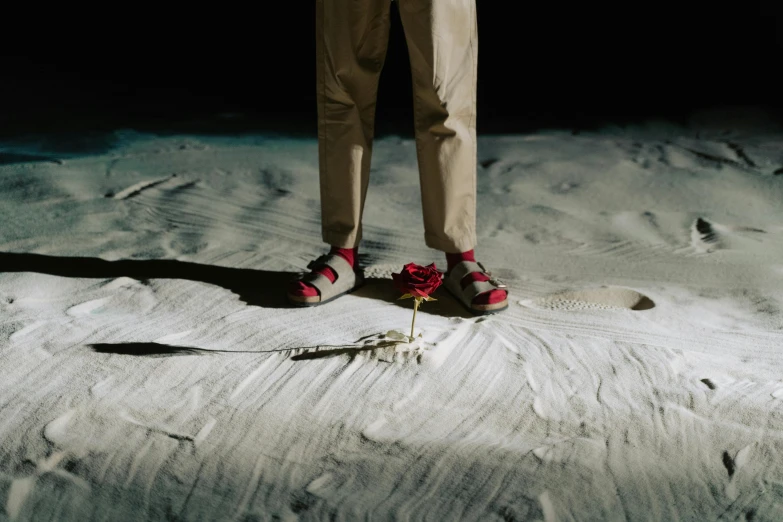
<point x="94" y="306"/>
<point x="704" y="237"/>
<point x="708" y="236"/>
<point x="601" y="298"/>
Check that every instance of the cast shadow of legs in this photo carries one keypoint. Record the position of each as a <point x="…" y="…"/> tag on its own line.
<point x="383" y="290"/>
<point x="255" y="287"/>
<point x="262" y="288"/>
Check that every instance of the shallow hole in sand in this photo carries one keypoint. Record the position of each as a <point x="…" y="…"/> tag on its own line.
<point x="601" y="298"/>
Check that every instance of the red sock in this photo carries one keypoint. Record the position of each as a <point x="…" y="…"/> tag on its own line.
<point x="302" y="289"/>
<point x="490" y="297"/>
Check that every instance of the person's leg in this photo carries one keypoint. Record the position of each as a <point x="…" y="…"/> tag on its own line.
<point x="351" y="42"/>
<point x="443" y="46"/>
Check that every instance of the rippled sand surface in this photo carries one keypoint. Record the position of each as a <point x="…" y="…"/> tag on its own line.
<point x="150" y="369"/>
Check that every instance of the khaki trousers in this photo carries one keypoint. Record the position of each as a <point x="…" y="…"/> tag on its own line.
<point x="351" y="42"/>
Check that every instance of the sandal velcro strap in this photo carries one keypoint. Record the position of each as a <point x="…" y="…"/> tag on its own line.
<point x="475" y="288"/>
<point x="464" y="268"/>
<point x="333" y="261"/>
<point x="319" y="281"/>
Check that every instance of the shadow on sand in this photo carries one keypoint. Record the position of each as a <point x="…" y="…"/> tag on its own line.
<point x="159" y="350"/>
<point x="255" y="287"/>
<point x="152" y="349"/>
<point x="383" y="289"/>
<point x="262" y="288"/>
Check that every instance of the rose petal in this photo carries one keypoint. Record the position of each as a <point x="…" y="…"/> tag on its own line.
<point x="418" y="280"/>
<point x="397" y="336"/>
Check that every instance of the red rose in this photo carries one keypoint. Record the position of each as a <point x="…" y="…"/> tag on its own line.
<point x="418" y="281"/>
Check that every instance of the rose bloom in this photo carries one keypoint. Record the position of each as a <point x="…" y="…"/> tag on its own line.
<point x="417" y="280"/>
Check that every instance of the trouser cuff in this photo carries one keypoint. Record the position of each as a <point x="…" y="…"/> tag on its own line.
<point x="455" y="245"/>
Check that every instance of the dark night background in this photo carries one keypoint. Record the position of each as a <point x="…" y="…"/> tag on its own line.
<point x="539" y="65"/>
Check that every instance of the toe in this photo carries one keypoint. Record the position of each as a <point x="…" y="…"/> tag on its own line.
<point x="491" y="297"/>
<point x="301" y="289"/>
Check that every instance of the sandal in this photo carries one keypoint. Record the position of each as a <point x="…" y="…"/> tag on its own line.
<point x="452" y="281"/>
<point x="347" y="281"/>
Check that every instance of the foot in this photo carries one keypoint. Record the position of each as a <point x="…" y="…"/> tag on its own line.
<point x="486" y="298"/>
<point x="302" y="289"/>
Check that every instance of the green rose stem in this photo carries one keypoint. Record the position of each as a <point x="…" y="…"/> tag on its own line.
<point x="415" y="307"/>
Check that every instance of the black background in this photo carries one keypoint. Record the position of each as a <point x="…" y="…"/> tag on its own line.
<point x="540" y="65"/>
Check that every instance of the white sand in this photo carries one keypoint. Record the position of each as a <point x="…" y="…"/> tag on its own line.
<point x="637" y="375"/>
